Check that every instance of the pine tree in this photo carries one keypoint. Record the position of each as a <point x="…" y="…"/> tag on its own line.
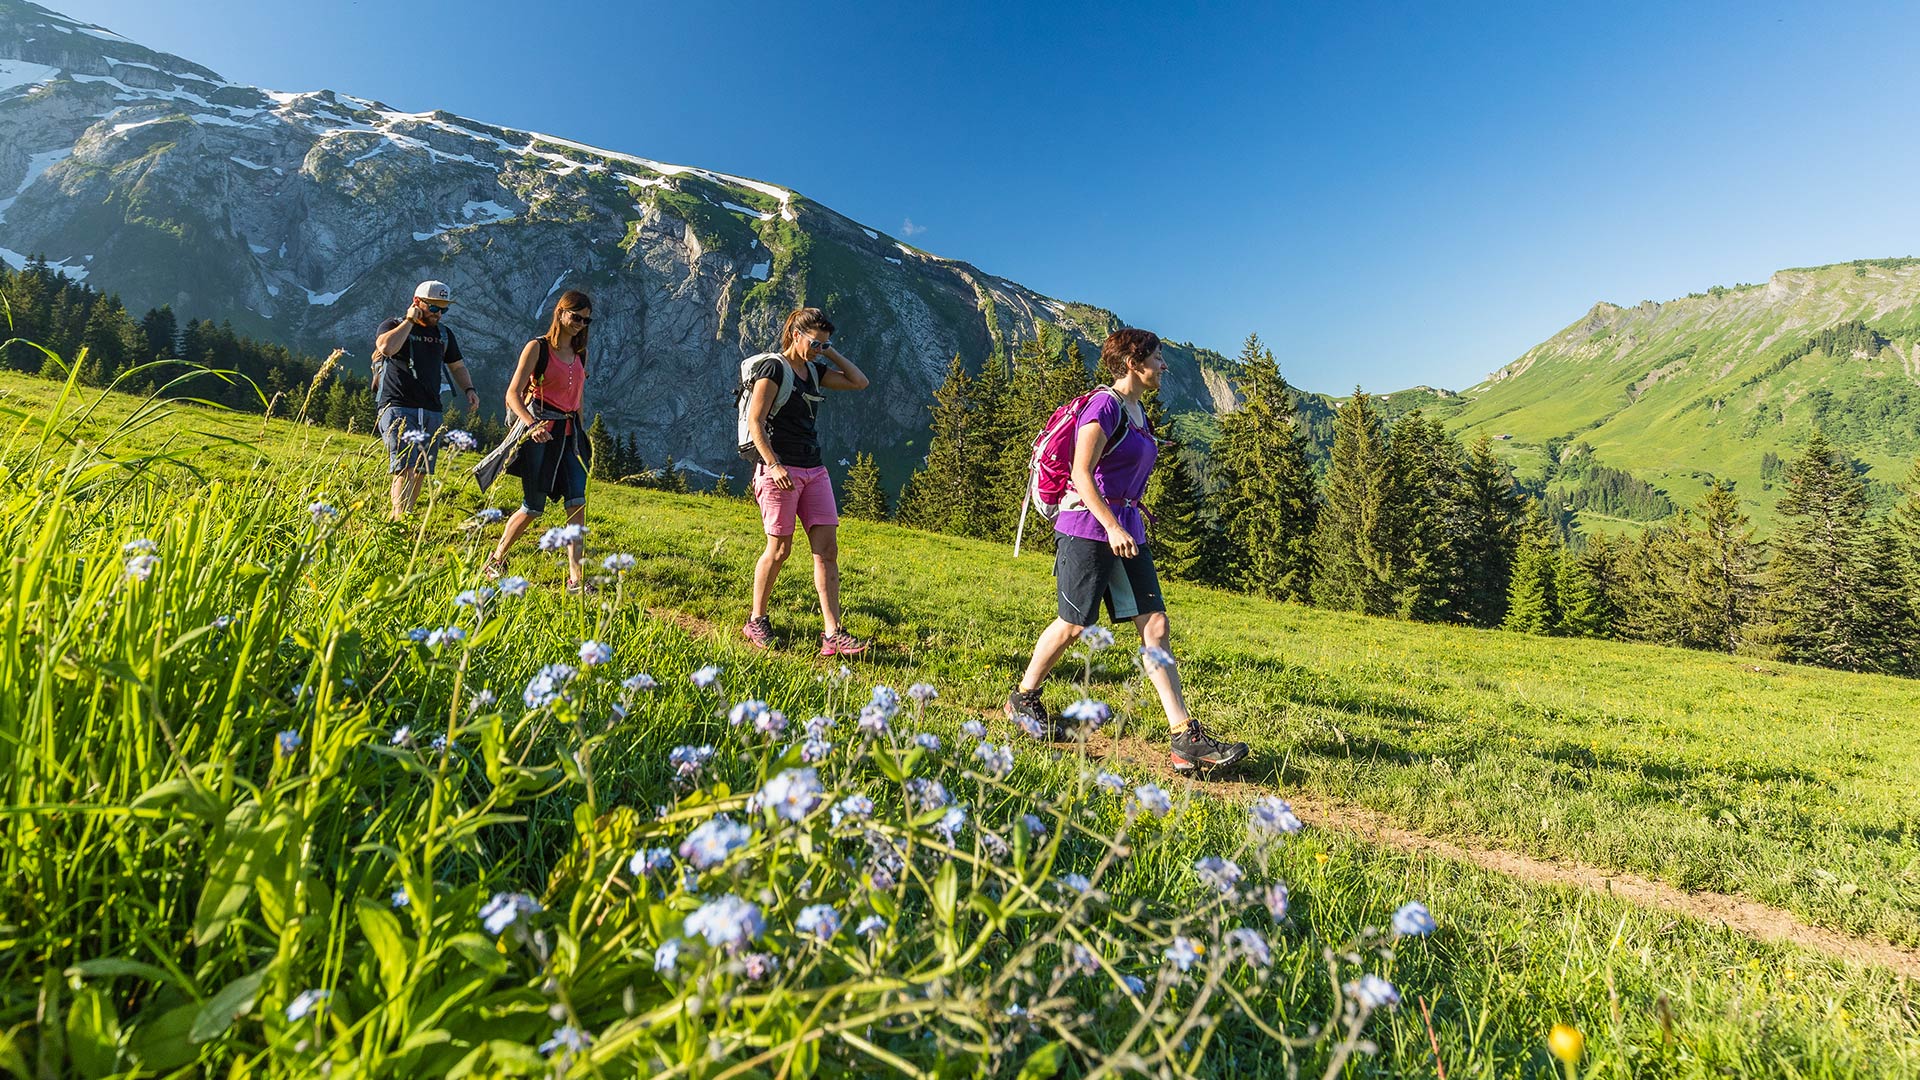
<point x="1354" y="546"/>
<point x="1582" y="604"/>
<point x="601" y="460"/>
<point x="1432" y="515"/>
<point x="866" y="496"/>
<point x="1490" y="511"/>
<point x="722" y="486"/>
<point x="1268" y="505"/>
<point x="949" y="480"/>
<point x="1603" y="563"/>
<point x="672" y="477"/>
<point x="161" y="332"/>
<point x="1722" y="586"/>
<point x="1532" y="607"/>
<point x="633" y="467"/>
<point x="1833" y="576"/>
<point x="1904" y="524"/>
<point x="1177" y="530"/>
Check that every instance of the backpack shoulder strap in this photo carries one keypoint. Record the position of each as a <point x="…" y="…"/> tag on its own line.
<point x="546" y="357"/>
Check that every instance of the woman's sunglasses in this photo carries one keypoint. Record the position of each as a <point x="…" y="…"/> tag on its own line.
<point x="581" y="317"/>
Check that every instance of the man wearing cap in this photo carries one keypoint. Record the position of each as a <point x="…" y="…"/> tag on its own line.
<point x="408" y="354"/>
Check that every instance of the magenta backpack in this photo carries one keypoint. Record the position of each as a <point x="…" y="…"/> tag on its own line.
<point x="1050" y="472"/>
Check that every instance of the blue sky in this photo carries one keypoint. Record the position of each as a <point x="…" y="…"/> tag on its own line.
<point x="1388" y="194"/>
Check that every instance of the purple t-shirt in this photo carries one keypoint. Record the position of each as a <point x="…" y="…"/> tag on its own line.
<point x="1121" y="475"/>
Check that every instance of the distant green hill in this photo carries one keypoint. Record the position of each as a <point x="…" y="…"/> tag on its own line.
<point x="1723" y="384"/>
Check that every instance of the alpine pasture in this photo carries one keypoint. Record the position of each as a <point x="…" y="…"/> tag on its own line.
<point x="288" y="793"/>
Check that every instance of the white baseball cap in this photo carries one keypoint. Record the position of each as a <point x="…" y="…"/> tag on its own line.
<point x="433" y="290"/>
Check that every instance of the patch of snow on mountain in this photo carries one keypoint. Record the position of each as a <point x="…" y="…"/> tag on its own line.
<point x="325" y="299"/>
<point x="895" y="260"/>
<point x="379" y="148"/>
<point x="257" y="249"/>
<point x="18" y="73"/>
<point x="122" y="129"/>
<point x="37" y="165"/>
<point x="551" y="289"/>
<point x="245" y="164"/>
<point x="485" y="213"/>
<point x="760" y="271"/>
<point x="871" y="235"/>
<point x="19" y="262"/>
<point x="763" y="215"/>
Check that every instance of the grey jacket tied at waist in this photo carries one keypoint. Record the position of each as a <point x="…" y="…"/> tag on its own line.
<point x="502" y="456"/>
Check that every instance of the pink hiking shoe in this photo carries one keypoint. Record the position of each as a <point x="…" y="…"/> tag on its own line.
<point x="759" y="632"/>
<point x="841" y="643"/>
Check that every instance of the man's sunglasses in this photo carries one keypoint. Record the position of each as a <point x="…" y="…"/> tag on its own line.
<point x="437" y="309"/>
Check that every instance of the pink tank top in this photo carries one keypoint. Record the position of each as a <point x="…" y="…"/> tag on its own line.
<point x="560" y="387"/>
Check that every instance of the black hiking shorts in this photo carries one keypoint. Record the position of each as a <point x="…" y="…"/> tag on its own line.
<point x="1088" y="572"/>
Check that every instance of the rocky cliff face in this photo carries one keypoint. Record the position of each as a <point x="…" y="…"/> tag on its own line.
<point x="307" y="218"/>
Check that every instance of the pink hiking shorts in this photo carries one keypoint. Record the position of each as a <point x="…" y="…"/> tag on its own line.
<point x="810" y="499"/>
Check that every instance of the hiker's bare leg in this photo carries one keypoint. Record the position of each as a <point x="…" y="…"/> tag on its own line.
<point x="406" y="490"/>
<point x="1155" y="632"/>
<point x="1054" y="642"/>
<point x="577" y="550"/>
<point x="516" y="525"/>
<point x="824" y="540"/>
<point x="768" y="569"/>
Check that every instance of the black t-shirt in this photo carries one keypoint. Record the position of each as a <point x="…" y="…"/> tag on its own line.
<point x="411" y="379"/>
<point x="790" y="427"/>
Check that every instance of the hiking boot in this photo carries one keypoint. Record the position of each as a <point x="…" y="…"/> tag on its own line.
<point x="841" y="643"/>
<point x="759" y="632"/>
<point x="494" y="570"/>
<point x="1195" y="748"/>
<point x="1029" y="713"/>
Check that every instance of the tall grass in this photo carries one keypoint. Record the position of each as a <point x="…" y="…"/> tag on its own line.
<point x="266" y="814"/>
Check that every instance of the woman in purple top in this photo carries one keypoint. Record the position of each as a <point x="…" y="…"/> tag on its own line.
<point x="1101" y="553"/>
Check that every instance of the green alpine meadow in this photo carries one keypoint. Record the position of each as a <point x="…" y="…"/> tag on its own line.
<point x="292" y="790"/>
<point x="500" y="578"/>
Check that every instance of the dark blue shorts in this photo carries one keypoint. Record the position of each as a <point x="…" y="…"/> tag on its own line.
<point x="405" y="450"/>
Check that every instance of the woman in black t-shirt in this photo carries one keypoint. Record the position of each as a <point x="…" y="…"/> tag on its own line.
<point x="790" y="481"/>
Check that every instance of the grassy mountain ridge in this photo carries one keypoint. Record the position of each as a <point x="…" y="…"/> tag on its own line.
<point x="1716" y="385"/>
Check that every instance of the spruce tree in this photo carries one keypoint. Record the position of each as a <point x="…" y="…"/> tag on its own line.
<point x="1177" y="529"/>
<point x="1268" y="505"/>
<point x="672" y="477"/>
<point x="1354" y="545"/>
<point x="633" y="467"/>
<point x="948" y="481"/>
<point x="1532" y="606"/>
<point x="1432" y="515"/>
<point x="1604" y="562"/>
<point x="602" y="462"/>
<point x="722" y="486"/>
<point x="1721" y="590"/>
<point x="1582" y="604"/>
<point x="866" y="496"/>
<point x="1490" y="510"/>
<point x="1904" y="524"/>
<point x="1834" y="574"/>
<point x="161" y="333"/>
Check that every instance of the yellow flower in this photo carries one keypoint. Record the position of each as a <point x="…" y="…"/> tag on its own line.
<point x="1322" y="858"/>
<point x="1566" y="1043"/>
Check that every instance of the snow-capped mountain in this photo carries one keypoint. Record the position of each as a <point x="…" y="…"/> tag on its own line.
<point x="307" y="218"/>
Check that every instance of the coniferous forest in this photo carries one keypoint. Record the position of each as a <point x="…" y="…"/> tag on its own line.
<point x="1381" y="516"/>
